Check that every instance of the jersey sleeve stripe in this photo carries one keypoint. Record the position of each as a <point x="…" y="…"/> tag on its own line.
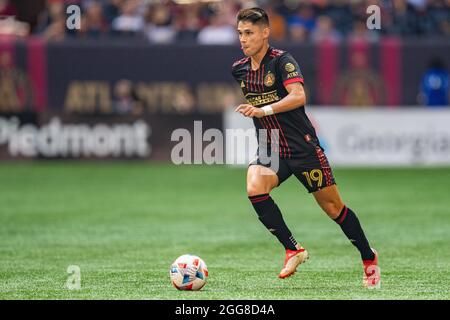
<point x="289" y="81"/>
<point x="241" y="61"/>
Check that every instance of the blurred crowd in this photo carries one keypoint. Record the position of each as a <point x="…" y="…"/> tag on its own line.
<point x="213" y="22"/>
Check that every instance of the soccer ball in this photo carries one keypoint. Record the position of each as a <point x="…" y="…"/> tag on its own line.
<point x="188" y="272"/>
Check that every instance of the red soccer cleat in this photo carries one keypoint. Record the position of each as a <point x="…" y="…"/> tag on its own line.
<point x="293" y="259"/>
<point x="372" y="274"/>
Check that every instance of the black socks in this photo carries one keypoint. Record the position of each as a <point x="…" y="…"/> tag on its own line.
<point x="270" y="215"/>
<point x="350" y="225"/>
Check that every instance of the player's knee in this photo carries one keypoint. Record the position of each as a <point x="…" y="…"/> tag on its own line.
<point x="254" y="189"/>
<point x="333" y="208"/>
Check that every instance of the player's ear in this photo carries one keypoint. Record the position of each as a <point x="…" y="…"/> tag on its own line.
<point x="266" y="32"/>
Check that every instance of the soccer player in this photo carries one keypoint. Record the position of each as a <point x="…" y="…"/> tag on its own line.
<point x="272" y="83"/>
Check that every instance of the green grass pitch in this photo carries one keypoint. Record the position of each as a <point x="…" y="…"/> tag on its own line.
<point x="124" y="223"/>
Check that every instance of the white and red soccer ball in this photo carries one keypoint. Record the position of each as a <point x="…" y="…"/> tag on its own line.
<point x="188" y="272"/>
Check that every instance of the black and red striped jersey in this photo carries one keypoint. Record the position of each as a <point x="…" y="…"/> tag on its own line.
<point x="297" y="137"/>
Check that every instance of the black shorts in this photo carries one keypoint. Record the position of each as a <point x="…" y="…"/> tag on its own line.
<point x="313" y="172"/>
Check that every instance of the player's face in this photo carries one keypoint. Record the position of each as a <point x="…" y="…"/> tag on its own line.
<point x="252" y="37"/>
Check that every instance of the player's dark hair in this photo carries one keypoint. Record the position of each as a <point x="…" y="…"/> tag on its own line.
<point x="254" y="15"/>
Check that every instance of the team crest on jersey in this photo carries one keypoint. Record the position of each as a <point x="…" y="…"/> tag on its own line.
<point x="269" y="80"/>
<point x="242" y="84"/>
<point x="289" y="67"/>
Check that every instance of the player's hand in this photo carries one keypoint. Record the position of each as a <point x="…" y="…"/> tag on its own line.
<point x="250" y="111"/>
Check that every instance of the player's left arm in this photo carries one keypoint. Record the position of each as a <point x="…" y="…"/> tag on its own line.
<point x="293" y="82"/>
<point x="296" y="98"/>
